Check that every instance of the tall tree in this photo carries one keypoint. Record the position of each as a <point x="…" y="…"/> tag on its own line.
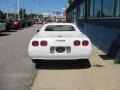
<point x="22" y="13"/>
<point x="2" y="15"/>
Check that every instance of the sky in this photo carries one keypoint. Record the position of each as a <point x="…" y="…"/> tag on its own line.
<point x="33" y="6"/>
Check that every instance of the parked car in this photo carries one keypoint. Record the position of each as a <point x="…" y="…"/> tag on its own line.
<point x="45" y="22"/>
<point x="2" y="27"/>
<point x="8" y="24"/>
<point x="59" y="41"/>
<point x="29" y="22"/>
<point x="15" y="24"/>
<point x="23" y="23"/>
<point x="39" y="22"/>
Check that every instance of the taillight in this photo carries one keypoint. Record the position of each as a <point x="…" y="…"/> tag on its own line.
<point x="15" y="22"/>
<point x="35" y="43"/>
<point x="85" y="42"/>
<point x="43" y="43"/>
<point x="76" y="43"/>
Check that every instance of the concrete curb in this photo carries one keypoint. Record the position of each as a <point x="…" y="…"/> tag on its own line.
<point x="32" y="78"/>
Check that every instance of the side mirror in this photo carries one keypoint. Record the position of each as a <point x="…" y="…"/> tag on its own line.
<point x="38" y="30"/>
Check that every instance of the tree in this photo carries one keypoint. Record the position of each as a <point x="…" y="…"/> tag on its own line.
<point x="32" y="15"/>
<point x="22" y="13"/>
<point x="2" y="15"/>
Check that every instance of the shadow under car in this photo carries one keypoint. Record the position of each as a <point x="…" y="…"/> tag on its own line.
<point x="63" y="64"/>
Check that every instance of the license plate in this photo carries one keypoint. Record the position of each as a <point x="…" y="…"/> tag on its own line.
<point x="62" y="49"/>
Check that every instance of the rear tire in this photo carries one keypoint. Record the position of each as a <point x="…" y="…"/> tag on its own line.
<point x="34" y="60"/>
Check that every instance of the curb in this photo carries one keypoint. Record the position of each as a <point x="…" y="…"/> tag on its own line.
<point x="32" y="78"/>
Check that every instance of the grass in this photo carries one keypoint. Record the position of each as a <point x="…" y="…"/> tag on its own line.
<point x="117" y="61"/>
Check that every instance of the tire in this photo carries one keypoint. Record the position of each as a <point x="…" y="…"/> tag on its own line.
<point x="34" y="60"/>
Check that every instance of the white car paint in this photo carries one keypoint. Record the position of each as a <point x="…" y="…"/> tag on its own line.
<point x="2" y="27"/>
<point x="64" y="39"/>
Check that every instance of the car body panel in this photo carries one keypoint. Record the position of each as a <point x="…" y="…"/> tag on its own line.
<point x="59" y="39"/>
<point x="8" y="24"/>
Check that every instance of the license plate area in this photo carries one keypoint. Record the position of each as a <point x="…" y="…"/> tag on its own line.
<point x="60" y="49"/>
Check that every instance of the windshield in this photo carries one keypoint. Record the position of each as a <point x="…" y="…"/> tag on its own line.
<point x="59" y="28"/>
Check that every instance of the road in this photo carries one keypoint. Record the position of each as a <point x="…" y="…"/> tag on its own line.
<point x="16" y="68"/>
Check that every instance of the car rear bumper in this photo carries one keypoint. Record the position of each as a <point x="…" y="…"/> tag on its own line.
<point x="60" y="56"/>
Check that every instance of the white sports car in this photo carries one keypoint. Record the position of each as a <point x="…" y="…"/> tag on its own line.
<point x="59" y="41"/>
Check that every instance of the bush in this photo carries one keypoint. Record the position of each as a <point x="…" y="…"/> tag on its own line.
<point x="117" y="61"/>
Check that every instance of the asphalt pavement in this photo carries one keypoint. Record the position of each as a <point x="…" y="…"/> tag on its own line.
<point x="16" y="68"/>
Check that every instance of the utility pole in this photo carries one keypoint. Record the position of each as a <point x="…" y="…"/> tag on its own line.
<point x="18" y="9"/>
<point x="39" y="3"/>
<point x="22" y="9"/>
<point x="41" y="10"/>
<point x="31" y="14"/>
<point x="7" y="10"/>
<point x="15" y="6"/>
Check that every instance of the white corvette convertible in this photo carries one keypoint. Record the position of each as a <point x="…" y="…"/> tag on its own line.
<point x="59" y="41"/>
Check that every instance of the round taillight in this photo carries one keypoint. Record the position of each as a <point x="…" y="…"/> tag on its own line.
<point x="35" y="43"/>
<point x="76" y="43"/>
<point x="85" y="42"/>
<point x="43" y="43"/>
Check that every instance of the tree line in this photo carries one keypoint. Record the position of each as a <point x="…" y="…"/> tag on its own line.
<point x="23" y="15"/>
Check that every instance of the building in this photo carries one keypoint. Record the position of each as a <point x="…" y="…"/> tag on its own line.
<point x="46" y="15"/>
<point x="58" y="15"/>
<point x="100" y="21"/>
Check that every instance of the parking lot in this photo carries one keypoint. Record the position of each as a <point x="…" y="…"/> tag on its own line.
<point x="17" y="70"/>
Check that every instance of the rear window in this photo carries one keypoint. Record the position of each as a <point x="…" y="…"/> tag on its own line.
<point x="59" y="28"/>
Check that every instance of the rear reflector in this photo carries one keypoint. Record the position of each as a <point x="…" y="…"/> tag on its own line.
<point x="76" y="43"/>
<point x="35" y="43"/>
<point x="85" y="42"/>
<point x="43" y="43"/>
